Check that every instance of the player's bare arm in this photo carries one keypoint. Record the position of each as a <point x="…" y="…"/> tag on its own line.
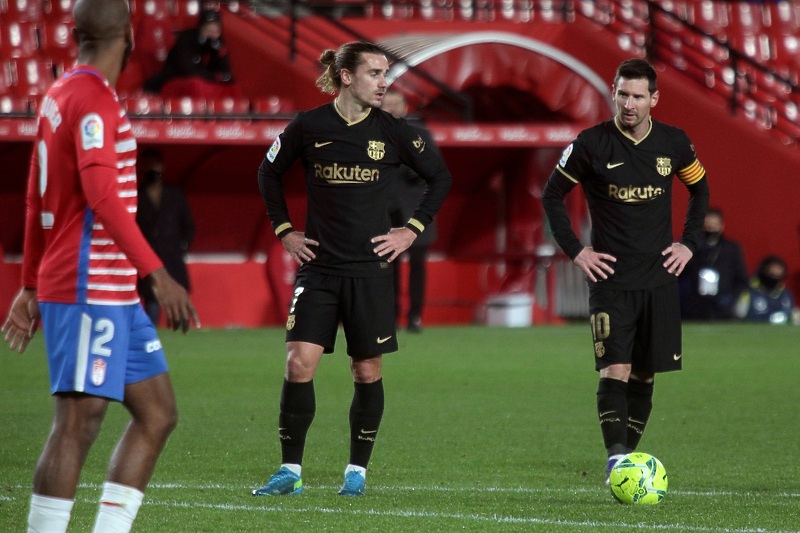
<point x="595" y="265"/>
<point x="677" y="256"/>
<point x="23" y="316"/>
<point x="297" y="244"/>
<point x="397" y="241"/>
<point x="174" y="300"/>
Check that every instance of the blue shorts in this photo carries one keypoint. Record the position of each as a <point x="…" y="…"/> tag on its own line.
<point x="99" y="349"/>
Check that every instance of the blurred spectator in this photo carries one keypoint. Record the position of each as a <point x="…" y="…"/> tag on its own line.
<point x="197" y="65"/>
<point x="164" y="217"/>
<point x="408" y="193"/>
<point x="767" y="299"/>
<point x="715" y="276"/>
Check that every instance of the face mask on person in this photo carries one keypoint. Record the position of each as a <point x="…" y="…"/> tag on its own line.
<point x="768" y="282"/>
<point x="712" y="236"/>
<point x="151" y="176"/>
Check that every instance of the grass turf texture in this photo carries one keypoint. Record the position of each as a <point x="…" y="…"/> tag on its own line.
<point x="486" y="429"/>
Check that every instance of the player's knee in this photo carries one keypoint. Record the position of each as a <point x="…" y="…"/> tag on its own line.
<point x="159" y="422"/>
<point x="366" y="370"/>
<point x="620" y="372"/>
<point x="168" y="421"/>
<point x="299" y="369"/>
<point x="76" y="421"/>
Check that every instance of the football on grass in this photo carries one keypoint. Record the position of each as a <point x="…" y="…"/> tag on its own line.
<point x="638" y="478"/>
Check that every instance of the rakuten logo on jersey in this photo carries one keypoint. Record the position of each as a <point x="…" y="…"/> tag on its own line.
<point x="630" y="193"/>
<point x="341" y="174"/>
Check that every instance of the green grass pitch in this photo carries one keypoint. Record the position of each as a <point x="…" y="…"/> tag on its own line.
<point x="485" y="429"/>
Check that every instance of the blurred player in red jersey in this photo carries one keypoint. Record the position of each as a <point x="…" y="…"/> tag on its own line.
<point x="83" y="252"/>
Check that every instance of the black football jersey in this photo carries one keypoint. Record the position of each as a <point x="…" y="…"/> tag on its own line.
<point x="349" y="170"/>
<point x="628" y="187"/>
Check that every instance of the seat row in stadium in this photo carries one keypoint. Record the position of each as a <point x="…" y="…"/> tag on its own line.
<point x="184" y="12"/>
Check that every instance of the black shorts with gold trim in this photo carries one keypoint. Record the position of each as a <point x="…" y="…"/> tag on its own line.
<point x="639" y="327"/>
<point x="363" y="306"/>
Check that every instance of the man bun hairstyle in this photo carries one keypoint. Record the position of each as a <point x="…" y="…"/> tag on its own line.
<point x="348" y="57"/>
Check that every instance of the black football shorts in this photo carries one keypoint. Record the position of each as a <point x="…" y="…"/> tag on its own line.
<point x="641" y="328"/>
<point x="364" y="307"/>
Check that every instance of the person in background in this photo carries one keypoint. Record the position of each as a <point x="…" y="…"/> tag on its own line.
<point x="166" y="222"/>
<point x="82" y="256"/>
<point x="197" y="64"/>
<point x="715" y="276"/>
<point x="767" y="299"/>
<point x="408" y="193"/>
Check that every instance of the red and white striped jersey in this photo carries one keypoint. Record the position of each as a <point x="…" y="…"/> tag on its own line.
<point x="82" y="244"/>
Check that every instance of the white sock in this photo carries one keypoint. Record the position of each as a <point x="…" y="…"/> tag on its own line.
<point x="355" y="468"/>
<point x="293" y="468"/>
<point x="49" y="514"/>
<point x="119" y="505"/>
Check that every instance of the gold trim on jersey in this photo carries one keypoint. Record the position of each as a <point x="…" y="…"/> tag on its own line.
<point x="649" y="129"/>
<point x="570" y="178"/>
<point x="417" y="224"/>
<point x="283" y="227"/>
<point x="692" y="174"/>
<point x="347" y="120"/>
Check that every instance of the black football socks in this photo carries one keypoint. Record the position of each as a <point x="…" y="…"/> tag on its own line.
<point x="640" y="403"/>
<point x="366" y="413"/>
<point x="298" y="405"/>
<point x="612" y="410"/>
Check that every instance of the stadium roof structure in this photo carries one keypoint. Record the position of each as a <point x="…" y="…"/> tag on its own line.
<point x="509" y="77"/>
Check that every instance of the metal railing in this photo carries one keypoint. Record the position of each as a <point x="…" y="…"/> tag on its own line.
<point x="757" y="90"/>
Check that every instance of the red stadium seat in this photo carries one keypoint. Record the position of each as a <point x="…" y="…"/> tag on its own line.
<point x="785" y="19"/>
<point x="6" y="77"/>
<point x="159" y="9"/>
<point x="186" y="14"/>
<point x="712" y="18"/>
<point x="228" y="106"/>
<point x="273" y="105"/>
<point x="57" y="42"/>
<point x="143" y="104"/>
<point x="58" y="10"/>
<point x="185" y="106"/>
<point x="154" y="38"/>
<point x="20" y="39"/>
<point x="31" y="76"/>
<point x="21" y="11"/>
<point x="12" y="104"/>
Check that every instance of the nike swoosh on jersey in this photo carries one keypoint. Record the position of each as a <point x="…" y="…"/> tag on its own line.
<point x="613" y="165"/>
<point x="381" y="340"/>
<point x="320" y="145"/>
<point x="677" y="356"/>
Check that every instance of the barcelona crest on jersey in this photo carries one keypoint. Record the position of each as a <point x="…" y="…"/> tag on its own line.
<point x="664" y="166"/>
<point x="376" y="150"/>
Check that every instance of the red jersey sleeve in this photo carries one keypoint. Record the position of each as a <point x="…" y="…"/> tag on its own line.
<point x="34" y="236"/>
<point x="99" y="153"/>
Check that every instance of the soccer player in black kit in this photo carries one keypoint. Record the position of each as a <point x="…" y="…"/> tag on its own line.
<point x="626" y="168"/>
<point x="351" y="153"/>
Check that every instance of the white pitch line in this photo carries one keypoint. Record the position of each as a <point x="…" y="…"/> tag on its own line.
<point x="511" y="490"/>
<point x="426" y="514"/>
<point x="515" y="490"/>
<point x="466" y="517"/>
